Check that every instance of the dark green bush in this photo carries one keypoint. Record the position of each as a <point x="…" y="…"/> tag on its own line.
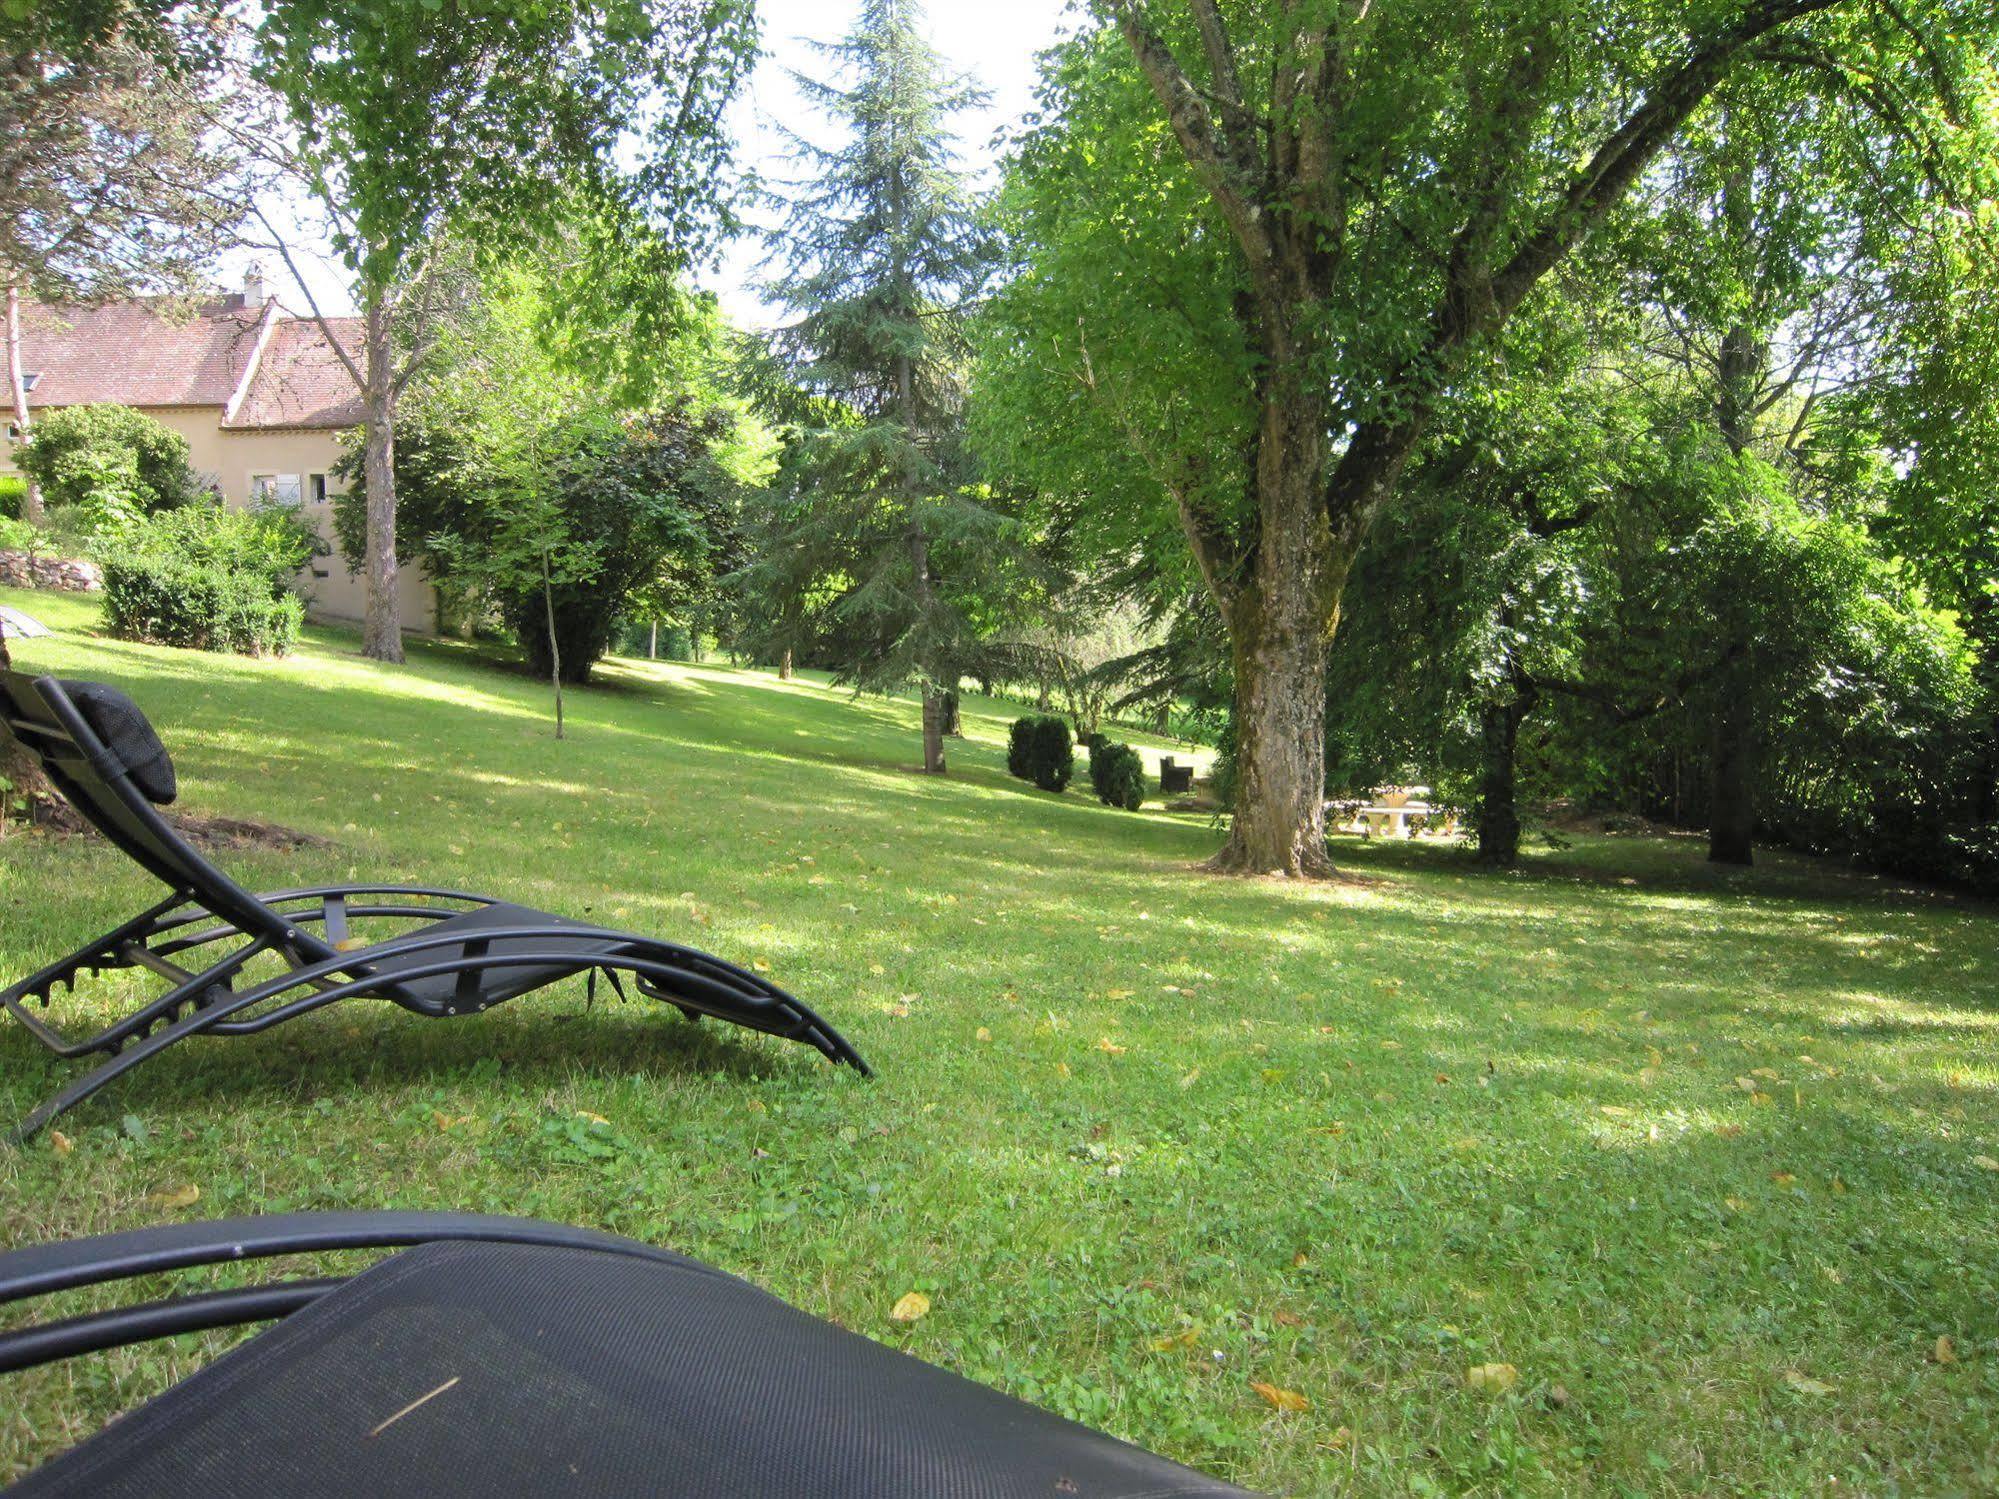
<point x="1019" y="754"/>
<point x="1097" y="744"/>
<point x="209" y="579"/>
<point x="1121" y="781"/>
<point x="1051" y="754"/>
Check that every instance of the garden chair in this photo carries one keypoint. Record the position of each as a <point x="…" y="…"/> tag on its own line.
<point x="466" y="954"/>
<point x="508" y="1356"/>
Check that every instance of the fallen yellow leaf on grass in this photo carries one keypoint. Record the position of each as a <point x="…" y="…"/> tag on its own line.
<point x="912" y="1308"/>
<point x="1946" y="1351"/>
<point x="876" y="968"/>
<point x="1615" y="1112"/>
<point x="176" y="1197"/>
<point x="449" y="1122"/>
<point x="1782" y="1178"/>
<point x="1493" y="1379"/>
<point x="1283" y="1400"/>
<point x="1110" y="1047"/>
<point x="1339" y="1441"/>
<point x="1189" y="1080"/>
<point x="982" y="1034"/>
<point x="1176" y="1340"/>
<point x="1804" y="1384"/>
<point x="761" y="965"/>
<point x="583" y="1114"/>
<point x="1117" y="994"/>
<point x="1985" y="1163"/>
<point x="62" y="1142"/>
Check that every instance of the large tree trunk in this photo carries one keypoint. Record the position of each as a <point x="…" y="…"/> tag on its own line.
<point x="933" y="732"/>
<point x="382" y="625"/>
<point x="17" y="389"/>
<point x="1499" y="807"/>
<point x="1732" y="772"/>
<point x="954" y="722"/>
<point x="1280" y="622"/>
<point x="784" y="665"/>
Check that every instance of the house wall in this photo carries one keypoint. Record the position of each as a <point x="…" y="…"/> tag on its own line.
<point x="231" y="457"/>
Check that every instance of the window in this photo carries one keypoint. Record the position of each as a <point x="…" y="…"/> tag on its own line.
<point x="285" y="489"/>
<point x="315" y="488"/>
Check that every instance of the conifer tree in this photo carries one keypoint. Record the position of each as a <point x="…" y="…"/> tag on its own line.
<point x="877" y="259"/>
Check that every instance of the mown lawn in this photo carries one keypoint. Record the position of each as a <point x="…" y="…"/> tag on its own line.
<point x="1711" y="1159"/>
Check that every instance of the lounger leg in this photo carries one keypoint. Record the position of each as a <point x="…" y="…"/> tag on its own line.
<point x="193" y="1023"/>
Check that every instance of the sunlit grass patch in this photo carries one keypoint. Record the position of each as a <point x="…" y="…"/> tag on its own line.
<point x="1144" y="1138"/>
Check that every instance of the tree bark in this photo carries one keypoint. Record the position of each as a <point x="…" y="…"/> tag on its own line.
<point x="954" y="723"/>
<point x="933" y="732"/>
<point x="554" y="645"/>
<point x="784" y="665"/>
<point x="1498" y="809"/>
<point x="1281" y="622"/>
<point x="17" y="389"/>
<point x="1732" y="768"/>
<point x="382" y="626"/>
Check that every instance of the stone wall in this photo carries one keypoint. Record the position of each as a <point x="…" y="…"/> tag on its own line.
<point x="65" y="574"/>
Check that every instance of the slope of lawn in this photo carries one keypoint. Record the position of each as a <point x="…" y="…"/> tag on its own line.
<point x="1710" y="1160"/>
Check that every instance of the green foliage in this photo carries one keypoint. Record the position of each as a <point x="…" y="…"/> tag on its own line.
<point x="206" y="578"/>
<point x="875" y="551"/>
<point x="1051" y="754"/>
<point x="13" y="490"/>
<point x="1118" y="775"/>
<point x="526" y="490"/>
<point x="111" y="464"/>
<point x="420" y="118"/>
<point x="1020" y="748"/>
<point x="17" y="535"/>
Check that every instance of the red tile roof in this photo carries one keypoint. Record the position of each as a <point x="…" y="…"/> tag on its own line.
<point x="156" y="351"/>
<point x="300" y="381"/>
<point x="152" y="351"/>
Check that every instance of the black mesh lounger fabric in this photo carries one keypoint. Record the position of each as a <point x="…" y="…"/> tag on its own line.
<point x="493" y="984"/>
<point x="573" y="1372"/>
<point x="128" y="734"/>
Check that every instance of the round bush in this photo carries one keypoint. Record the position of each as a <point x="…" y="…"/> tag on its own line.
<point x="1051" y="754"/>
<point x="205" y="578"/>
<point x="1121" y="781"/>
<point x="1019" y="757"/>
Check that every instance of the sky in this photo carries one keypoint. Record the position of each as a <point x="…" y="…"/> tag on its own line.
<point x="995" y="41"/>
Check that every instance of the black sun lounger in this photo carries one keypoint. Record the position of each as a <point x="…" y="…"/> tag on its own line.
<point x="503" y="1356"/>
<point x="467" y="954"/>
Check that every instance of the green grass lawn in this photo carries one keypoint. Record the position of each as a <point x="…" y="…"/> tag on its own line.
<point x="1707" y="1157"/>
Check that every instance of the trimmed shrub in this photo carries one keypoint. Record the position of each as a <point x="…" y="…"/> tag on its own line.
<point x="1019" y="753"/>
<point x="1121" y="780"/>
<point x="1097" y="745"/>
<point x="13" y="491"/>
<point x="208" y="579"/>
<point x="1051" y="754"/>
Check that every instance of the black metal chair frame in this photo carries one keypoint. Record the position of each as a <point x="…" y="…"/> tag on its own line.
<point x="71" y="1264"/>
<point x="327" y="964"/>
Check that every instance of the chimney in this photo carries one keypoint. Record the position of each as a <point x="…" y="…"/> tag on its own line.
<point x="253" y="287"/>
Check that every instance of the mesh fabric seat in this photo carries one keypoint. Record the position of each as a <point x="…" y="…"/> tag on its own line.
<point x="482" y="1369"/>
<point x="439" y="993"/>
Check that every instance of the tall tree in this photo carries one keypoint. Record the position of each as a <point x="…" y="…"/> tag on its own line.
<point x="457" y="121"/>
<point x="1369" y="193"/>
<point x="111" y="178"/>
<point x="877" y="258"/>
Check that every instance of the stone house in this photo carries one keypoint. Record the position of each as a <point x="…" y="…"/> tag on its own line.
<point x="258" y="392"/>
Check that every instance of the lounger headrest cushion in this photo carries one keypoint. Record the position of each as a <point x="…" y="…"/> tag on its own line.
<point x="135" y="748"/>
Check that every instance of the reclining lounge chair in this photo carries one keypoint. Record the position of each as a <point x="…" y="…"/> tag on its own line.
<point x="505" y="1356"/>
<point x="467" y="954"/>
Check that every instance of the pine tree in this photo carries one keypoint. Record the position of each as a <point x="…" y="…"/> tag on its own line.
<point x="878" y="258"/>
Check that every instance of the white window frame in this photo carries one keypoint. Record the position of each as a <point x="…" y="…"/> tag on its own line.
<point x="275" y="490"/>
